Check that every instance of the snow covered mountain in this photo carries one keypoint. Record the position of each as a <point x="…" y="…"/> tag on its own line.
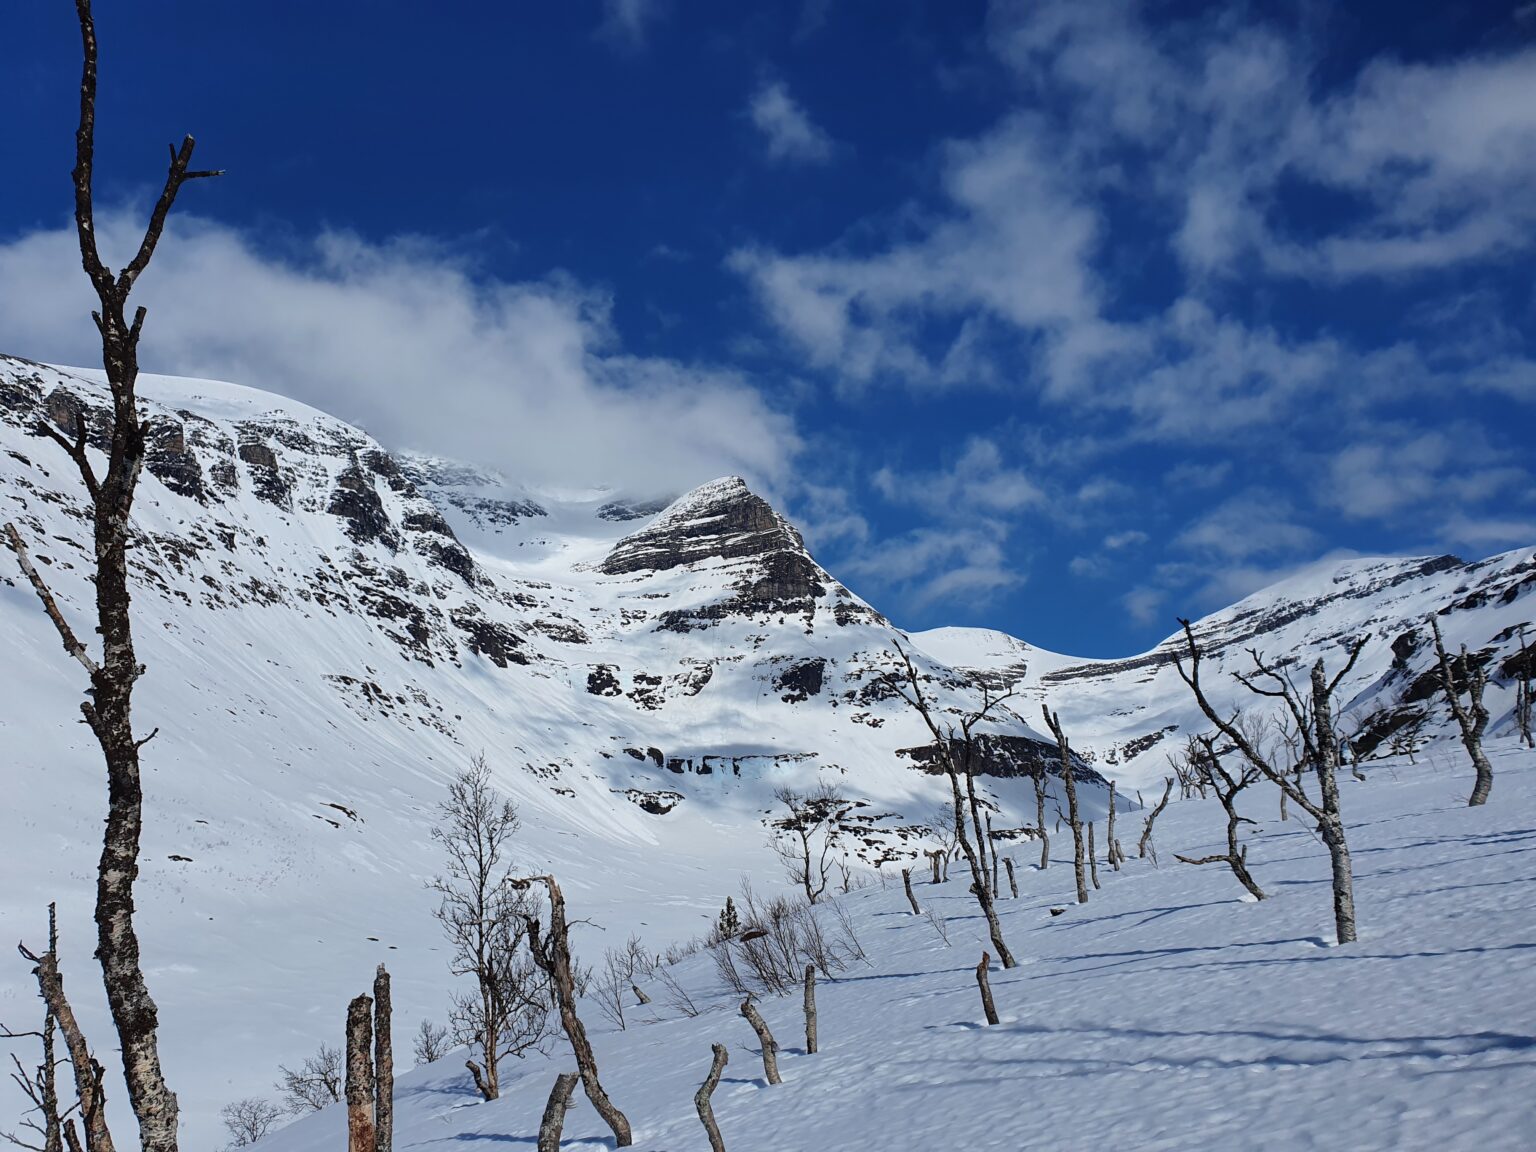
<point x="331" y="630"/>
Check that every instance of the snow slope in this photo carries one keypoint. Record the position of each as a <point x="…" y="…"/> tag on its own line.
<point x="1170" y="1012"/>
<point x="332" y="630"/>
<point x="1126" y="715"/>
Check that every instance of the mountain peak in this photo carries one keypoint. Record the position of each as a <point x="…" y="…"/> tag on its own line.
<point x="721" y="520"/>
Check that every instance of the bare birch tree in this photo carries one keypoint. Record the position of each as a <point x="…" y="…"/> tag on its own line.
<point x="1319" y="747"/>
<point x="770" y="1046"/>
<point x="1074" y="816"/>
<point x="360" y="1098"/>
<point x="909" y="687"/>
<point x="701" y="1098"/>
<point x="806" y="841"/>
<point x="1145" y="846"/>
<point x="553" y="1122"/>
<point x="248" y="1120"/>
<point x="552" y="953"/>
<point x="383" y="1063"/>
<point x="316" y="1082"/>
<point x="430" y="1042"/>
<point x="987" y="1005"/>
<point x="1524" y="675"/>
<point x="1205" y="760"/>
<point x="40" y="1084"/>
<point x="1472" y="717"/>
<point x="485" y="920"/>
<point x="109" y="710"/>
<point x="1039" y="778"/>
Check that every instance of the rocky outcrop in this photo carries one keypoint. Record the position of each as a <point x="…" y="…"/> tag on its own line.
<point x="724" y="520"/>
<point x="357" y="503"/>
<point x="1002" y="756"/>
<point x="169" y="460"/>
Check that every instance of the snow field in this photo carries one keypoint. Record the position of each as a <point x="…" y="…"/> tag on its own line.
<point x="1168" y="1013"/>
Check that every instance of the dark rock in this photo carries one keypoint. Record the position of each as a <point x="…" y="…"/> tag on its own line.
<point x="489" y="638"/>
<point x="169" y="460"/>
<point x="1005" y="757"/>
<point x="356" y="501"/>
<point x="267" y="479"/>
<point x="603" y="680"/>
<point x="800" y="681"/>
<point x="619" y="510"/>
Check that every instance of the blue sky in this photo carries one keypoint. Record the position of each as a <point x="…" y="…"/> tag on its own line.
<point x="1060" y="318"/>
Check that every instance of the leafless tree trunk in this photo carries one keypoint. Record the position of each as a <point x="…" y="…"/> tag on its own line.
<point x="383" y="1064"/>
<point x="906" y="880"/>
<point x="1045" y="840"/>
<point x="944" y="743"/>
<point x="1113" y="845"/>
<point x="1145" y="845"/>
<point x="552" y="953"/>
<point x="1073" y="816"/>
<point x="1013" y="884"/>
<point x="810" y="1009"/>
<point x="933" y="859"/>
<point x="41" y="1085"/>
<point x="108" y="712"/>
<point x="997" y="875"/>
<point x="361" y="1135"/>
<point x="1472" y="718"/>
<point x="1227" y="785"/>
<point x="701" y="1098"/>
<point x="1319" y="747"/>
<point x="986" y="989"/>
<point x="1523" y="678"/>
<point x="1093" y="858"/>
<point x="765" y="1038"/>
<point x="90" y="1095"/>
<point x="553" y="1122"/>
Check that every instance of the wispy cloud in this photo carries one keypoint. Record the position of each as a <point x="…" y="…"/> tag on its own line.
<point x="407" y="338"/>
<point x="627" y="24"/>
<point x="789" y="134"/>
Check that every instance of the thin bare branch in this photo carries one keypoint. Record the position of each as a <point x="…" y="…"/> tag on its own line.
<point x="72" y="643"/>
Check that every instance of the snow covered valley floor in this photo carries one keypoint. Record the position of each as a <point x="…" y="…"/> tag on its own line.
<point x="1169" y="1012"/>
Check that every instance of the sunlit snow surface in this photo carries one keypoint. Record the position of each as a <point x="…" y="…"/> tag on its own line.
<point x="1167" y="1013"/>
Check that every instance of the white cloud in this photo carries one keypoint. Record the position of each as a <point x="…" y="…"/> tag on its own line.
<point x="979" y="483"/>
<point x="627" y="24"/>
<point x="1130" y="538"/>
<point x="1252" y="523"/>
<point x="1144" y="604"/>
<point x="788" y="131"/>
<point x="409" y="340"/>
<point x="927" y="566"/>
<point x="1016" y="246"/>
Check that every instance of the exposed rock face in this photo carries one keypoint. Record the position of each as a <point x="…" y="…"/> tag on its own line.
<point x="1004" y="757"/>
<point x="356" y="502"/>
<point x="720" y="521"/>
<point x="801" y="680"/>
<point x="621" y="510"/>
<point x="726" y="524"/>
<point x="267" y="478"/>
<point x="489" y="638"/>
<point x="168" y="459"/>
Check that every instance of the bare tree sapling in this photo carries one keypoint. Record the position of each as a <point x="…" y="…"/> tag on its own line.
<point x="1471" y="717"/>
